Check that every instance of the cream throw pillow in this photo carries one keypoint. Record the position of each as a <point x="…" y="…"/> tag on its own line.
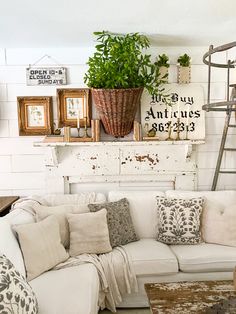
<point x="89" y="233"/>
<point x="219" y="225"/>
<point x="59" y="212"/>
<point x="41" y="246"/>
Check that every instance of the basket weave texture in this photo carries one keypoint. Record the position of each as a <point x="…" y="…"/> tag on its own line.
<point x="117" y="108"/>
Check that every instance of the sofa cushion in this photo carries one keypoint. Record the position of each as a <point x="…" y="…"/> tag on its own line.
<point x="142" y="210"/>
<point x="150" y="257"/>
<point x="217" y="199"/>
<point x="205" y="257"/>
<point x="120" y="225"/>
<point x="9" y="245"/>
<point x="16" y="295"/>
<point x="89" y="233"/>
<point x="179" y="220"/>
<point x="219" y="225"/>
<point x="41" y="246"/>
<point x="72" y="290"/>
<point x="72" y="199"/>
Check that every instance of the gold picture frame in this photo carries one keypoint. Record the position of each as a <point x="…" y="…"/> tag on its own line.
<point x="35" y="115"/>
<point x="73" y="103"/>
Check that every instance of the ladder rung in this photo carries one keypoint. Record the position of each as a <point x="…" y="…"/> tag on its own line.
<point x="232" y="125"/>
<point x="230" y="149"/>
<point x="230" y="172"/>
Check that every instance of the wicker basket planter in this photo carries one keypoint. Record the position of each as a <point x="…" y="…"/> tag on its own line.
<point x="117" y="108"/>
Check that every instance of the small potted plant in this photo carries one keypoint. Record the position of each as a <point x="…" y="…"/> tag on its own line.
<point x="163" y="66"/>
<point x="118" y="72"/>
<point x="184" y="69"/>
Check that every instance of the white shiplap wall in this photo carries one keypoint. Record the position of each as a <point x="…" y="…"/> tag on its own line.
<point x="22" y="165"/>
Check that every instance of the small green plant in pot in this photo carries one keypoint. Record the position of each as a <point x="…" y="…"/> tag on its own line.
<point x="184" y="69"/>
<point x="118" y="72"/>
<point x="163" y="66"/>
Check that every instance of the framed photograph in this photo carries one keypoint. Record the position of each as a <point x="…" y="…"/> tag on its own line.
<point x="74" y="107"/>
<point x="35" y="115"/>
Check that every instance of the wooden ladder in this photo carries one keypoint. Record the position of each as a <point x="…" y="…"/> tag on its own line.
<point x="223" y="149"/>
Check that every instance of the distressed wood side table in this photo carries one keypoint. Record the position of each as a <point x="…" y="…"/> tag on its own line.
<point x="188" y="297"/>
<point x="5" y="204"/>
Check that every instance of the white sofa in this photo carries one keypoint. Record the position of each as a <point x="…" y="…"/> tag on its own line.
<point x="75" y="290"/>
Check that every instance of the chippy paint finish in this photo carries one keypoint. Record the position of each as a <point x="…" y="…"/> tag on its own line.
<point x="134" y="163"/>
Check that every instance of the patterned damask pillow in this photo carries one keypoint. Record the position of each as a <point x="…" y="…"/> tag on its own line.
<point x="120" y="225"/>
<point x="16" y="295"/>
<point x="179" y="220"/>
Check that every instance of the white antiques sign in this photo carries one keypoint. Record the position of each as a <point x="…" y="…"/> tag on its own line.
<point x="184" y="120"/>
<point x="45" y="76"/>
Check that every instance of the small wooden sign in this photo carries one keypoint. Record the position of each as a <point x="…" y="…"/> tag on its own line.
<point x="185" y="119"/>
<point x="45" y="76"/>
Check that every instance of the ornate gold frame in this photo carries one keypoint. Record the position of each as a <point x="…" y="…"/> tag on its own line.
<point x="23" y="104"/>
<point x="62" y="95"/>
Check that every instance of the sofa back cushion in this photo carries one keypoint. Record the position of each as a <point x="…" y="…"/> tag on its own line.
<point x="142" y="209"/>
<point x="213" y="199"/>
<point x="73" y="199"/>
<point x="9" y="246"/>
<point x="219" y="215"/>
<point x="60" y="212"/>
<point x="219" y="226"/>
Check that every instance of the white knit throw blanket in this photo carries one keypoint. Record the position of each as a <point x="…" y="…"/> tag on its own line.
<point x="116" y="275"/>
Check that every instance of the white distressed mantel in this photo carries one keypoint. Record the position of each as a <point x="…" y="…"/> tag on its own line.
<point x="137" y="163"/>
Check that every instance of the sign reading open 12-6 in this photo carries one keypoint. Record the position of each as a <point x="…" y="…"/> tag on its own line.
<point x="185" y="117"/>
<point x="46" y="76"/>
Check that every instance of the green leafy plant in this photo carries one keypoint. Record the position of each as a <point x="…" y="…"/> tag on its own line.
<point x="163" y="61"/>
<point x="184" y="60"/>
<point x="119" y="62"/>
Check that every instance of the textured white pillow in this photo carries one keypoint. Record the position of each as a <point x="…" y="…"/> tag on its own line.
<point x="219" y="225"/>
<point x="41" y="246"/>
<point x="89" y="233"/>
<point x="60" y="212"/>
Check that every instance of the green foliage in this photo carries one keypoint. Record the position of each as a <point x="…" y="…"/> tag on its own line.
<point x="163" y="61"/>
<point x="184" y="60"/>
<point x="119" y="62"/>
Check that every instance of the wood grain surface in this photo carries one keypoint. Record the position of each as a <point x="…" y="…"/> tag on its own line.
<point x="188" y="297"/>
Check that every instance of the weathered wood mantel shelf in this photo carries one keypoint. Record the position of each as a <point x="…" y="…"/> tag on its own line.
<point x="119" y="143"/>
<point x="146" y="162"/>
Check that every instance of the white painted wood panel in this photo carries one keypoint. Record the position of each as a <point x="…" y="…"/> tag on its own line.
<point x="28" y="163"/>
<point x="12" y="84"/>
<point x="23" y="181"/>
<point x="4" y="128"/>
<point x="16" y="146"/>
<point x="2" y="56"/>
<point x="8" y="110"/>
<point x="3" y="92"/>
<point x="13" y="128"/>
<point x="5" y="164"/>
<point x="24" y="56"/>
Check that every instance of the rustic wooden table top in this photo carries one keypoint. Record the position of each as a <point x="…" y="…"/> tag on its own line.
<point x="188" y="297"/>
<point x="6" y="201"/>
